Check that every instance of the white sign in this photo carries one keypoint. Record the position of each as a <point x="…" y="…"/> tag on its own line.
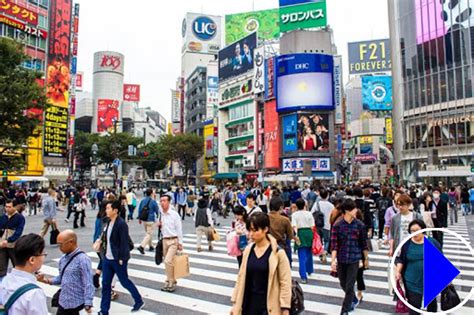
<point x="175" y="106"/>
<point x="296" y="165"/>
<point x="338" y="89"/>
<point x="108" y="61"/>
<point x="201" y="33"/>
<point x="249" y="161"/>
<point x="259" y="70"/>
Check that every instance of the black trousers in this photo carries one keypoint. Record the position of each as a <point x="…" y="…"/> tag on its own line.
<point x="70" y="311"/>
<point x="182" y="208"/>
<point x="76" y="218"/>
<point x="347" y="274"/>
<point x="6" y="254"/>
<point x="381" y="226"/>
<point x="414" y="299"/>
<point x="437" y="235"/>
<point x="360" y="279"/>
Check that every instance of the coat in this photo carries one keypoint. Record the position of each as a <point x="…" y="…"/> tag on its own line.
<point x="279" y="281"/>
<point x="441" y="213"/>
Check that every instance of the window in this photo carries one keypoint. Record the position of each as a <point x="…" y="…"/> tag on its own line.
<point x="43" y="21"/>
<point x="241" y="111"/>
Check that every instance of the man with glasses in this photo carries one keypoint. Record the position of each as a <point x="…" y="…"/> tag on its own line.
<point x="29" y="257"/>
<point x="75" y="277"/>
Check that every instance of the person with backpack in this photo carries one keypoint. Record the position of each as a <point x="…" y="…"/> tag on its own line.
<point x="280" y="226"/>
<point x="203" y="222"/>
<point x="322" y="212"/>
<point x="147" y="213"/>
<point x="251" y="207"/>
<point x="19" y="292"/>
<point x="383" y="203"/>
<point x="264" y="282"/>
<point x="239" y="226"/>
<point x="311" y="198"/>
<point x="303" y="223"/>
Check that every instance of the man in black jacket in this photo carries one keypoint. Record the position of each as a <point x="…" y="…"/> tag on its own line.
<point x="439" y="214"/>
<point x="12" y="224"/>
<point x="116" y="253"/>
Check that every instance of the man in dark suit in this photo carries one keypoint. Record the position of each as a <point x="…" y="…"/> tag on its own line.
<point x="116" y="253"/>
<point x="439" y="213"/>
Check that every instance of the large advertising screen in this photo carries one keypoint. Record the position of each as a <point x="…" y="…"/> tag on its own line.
<point x="290" y="133"/>
<point x="377" y="92"/>
<point x="201" y="33"/>
<point x="303" y="16"/>
<point x="265" y="23"/>
<point x="305" y="81"/>
<point x="370" y="56"/>
<point x="429" y="20"/>
<point x="237" y="58"/>
<point x="272" y="136"/>
<point x="108" y="113"/>
<point x="313" y="132"/>
<point x="55" y="131"/>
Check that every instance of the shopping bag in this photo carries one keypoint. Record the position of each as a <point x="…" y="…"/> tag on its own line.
<point x="243" y="242"/>
<point x="53" y="239"/>
<point x="317" y="247"/>
<point x="400" y="307"/>
<point x="181" y="265"/>
<point x="232" y="240"/>
<point x="214" y="235"/>
<point x="373" y="245"/>
<point x="449" y="298"/>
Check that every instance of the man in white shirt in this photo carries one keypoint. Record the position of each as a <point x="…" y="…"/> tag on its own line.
<point x="172" y="231"/>
<point x="29" y="257"/>
<point x="303" y="222"/>
<point x="251" y="206"/>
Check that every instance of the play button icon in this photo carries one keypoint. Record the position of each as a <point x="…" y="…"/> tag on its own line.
<point x="438" y="272"/>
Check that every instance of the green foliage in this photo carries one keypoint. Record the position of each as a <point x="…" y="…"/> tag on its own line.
<point x="19" y="94"/>
<point x="156" y="160"/>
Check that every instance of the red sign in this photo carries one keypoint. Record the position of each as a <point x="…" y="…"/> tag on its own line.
<point x="18" y="12"/>
<point x="131" y="92"/>
<point x="23" y="27"/>
<point x="109" y="61"/>
<point x="108" y="113"/>
<point x="272" y="136"/>
<point x="72" y="106"/>
<point x="270" y="79"/>
<point x="79" y="81"/>
<point x="366" y="158"/>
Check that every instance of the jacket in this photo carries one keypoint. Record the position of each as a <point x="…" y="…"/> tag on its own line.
<point x="49" y="208"/>
<point x="119" y="240"/>
<point x="279" y="281"/>
<point x="441" y="213"/>
<point x="395" y="227"/>
<point x="12" y="228"/>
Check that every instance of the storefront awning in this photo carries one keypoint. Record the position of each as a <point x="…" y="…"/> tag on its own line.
<point x="318" y="175"/>
<point x="28" y="179"/>
<point x="228" y="175"/>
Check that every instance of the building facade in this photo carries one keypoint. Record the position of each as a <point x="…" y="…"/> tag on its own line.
<point x="432" y="55"/>
<point x="195" y="111"/>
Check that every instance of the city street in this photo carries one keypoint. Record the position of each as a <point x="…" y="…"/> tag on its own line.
<point x="209" y="287"/>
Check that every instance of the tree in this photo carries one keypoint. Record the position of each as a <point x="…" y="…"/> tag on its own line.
<point x="83" y="148"/>
<point x="22" y="101"/>
<point x="155" y="161"/>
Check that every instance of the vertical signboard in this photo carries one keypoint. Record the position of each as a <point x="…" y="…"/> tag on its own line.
<point x="290" y="133"/>
<point x="212" y="85"/>
<point x="270" y="78"/>
<point x="272" y="137"/>
<point x="259" y="70"/>
<point x="388" y="130"/>
<point x="79" y="81"/>
<point x="108" y="114"/>
<point x="175" y="108"/>
<point x="55" y="131"/>
<point x="338" y="89"/>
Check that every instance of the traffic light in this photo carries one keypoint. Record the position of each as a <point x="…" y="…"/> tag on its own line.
<point x="472" y="166"/>
<point x="143" y="154"/>
<point x="5" y="173"/>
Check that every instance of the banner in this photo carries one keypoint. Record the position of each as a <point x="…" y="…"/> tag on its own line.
<point x="388" y="131"/>
<point x="272" y="137"/>
<point x="79" y="81"/>
<point x="19" y="12"/>
<point x="212" y="96"/>
<point x="55" y="131"/>
<point x="303" y="16"/>
<point x="370" y="56"/>
<point x="131" y="92"/>
<point x="377" y="93"/>
<point x="237" y="58"/>
<point x="366" y="158"/>
<point x="296" y="165"/>
<point x="108" y="113"/>
<point x="338" y="89"/>
<point x="265" y="23"/>
<point x="270" y="78"/>
<point x="23" y="27"/>
<point x="290" y="133"/>
<point x="259" y="71"/>
<point x="175" y="107"/>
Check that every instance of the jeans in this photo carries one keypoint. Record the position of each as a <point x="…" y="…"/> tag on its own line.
<point x="472" y="206"/>
<point x="465" y="208"/>
<point x="76" y="218"/>
<point x="32" y="208"/>
<point x="110" y="268"/>
<point x="453" y="214"/>
<point x="288" y="252"/>
<point x="6" y="254"/>
<point x="360" y="279"/>
<point x="326" y="238"/>
<point x="414" y="299"/>
<point x="438" y="235"/>
<point x="347" y="274"/>
<point x="305" y="257"/>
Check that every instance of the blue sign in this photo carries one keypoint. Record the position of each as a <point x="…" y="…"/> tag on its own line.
<point x="377" y="92"/>
<point x="339" y="143"/>
<point x="74" y="65"/>
<point x="305" y="81"/>
<point x="212" y="82"/>
<point x="204" y="28"/>
<point x="284" y="3"/>
<point x="290" y="133"/>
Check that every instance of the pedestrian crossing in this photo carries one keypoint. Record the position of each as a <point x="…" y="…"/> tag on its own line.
<point x="208" y="288"/>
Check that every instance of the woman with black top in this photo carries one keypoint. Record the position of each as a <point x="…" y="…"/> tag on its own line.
<point x="264" y="282"/>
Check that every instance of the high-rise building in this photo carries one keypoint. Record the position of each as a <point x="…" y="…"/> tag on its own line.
<point x="432" y="56"/>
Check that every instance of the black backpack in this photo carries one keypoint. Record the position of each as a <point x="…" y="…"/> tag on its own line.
<point x="145" y="211"/>
<point x="297" y="298"/>
<point x="318" y="217"/>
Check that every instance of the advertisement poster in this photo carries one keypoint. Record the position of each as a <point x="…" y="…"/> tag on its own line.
<point x="235" y="92"/>
<point x="19" y="12"/>
<point x="108" y="113"/>
<point x="305" y="81"/>
<point x="55" y="131"/>
<point x="270" y="78"/>
<point x="212" y="96"/>
<point x="377" y="93"/>
<point x="303" y="16"/>
<point x="388" y="131"/>
<point x="259" y="71"/>
<point x="175" y="106"/>
<point x="131" y="92"/>
<point x="370" y="56"/>
<point x="290" y="133"/>
<point x="296" y="165"/>
<point x="313" y="132"/>
<point x="79" y="81"/>
<point x="338" y="89"/>
<point x="265" y="23"/>
<point x="271" y="136"/>
<point x="201" y="33"/>
<point x="237" y="58"/>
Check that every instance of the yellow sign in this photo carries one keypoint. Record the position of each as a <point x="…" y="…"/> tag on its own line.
<point x="388" y="131"/>
<point x="365" y="140"/>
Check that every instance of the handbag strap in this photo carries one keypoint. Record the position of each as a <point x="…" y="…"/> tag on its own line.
<point x="67" y="264"/>
<point x="18" y="293"/>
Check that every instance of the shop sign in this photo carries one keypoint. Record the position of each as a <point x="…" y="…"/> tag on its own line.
<point x="451" y="120"/>
<point x="235" y="92"/>
<point x="19" y="12"/>
<point x="296" y="165"/>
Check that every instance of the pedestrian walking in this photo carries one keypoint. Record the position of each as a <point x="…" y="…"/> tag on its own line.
<point x="147" y="213"/>
<point x="465" y="201"/>
<point x="131" y="204"/>
<point x="49" y="212"/>
<point x="280" y="226"/>
<point x="181" y="202"/>
<point x="383" y="203"/>
<point x="115" y="261"/>
<point x="172" y="230"/>
<point x="439" y="214"/>
<point x="203" y="223"/>
<point x="239" y="226"/>
<point x="389" y="214"/>
<point x="32" y="201"/>
<point x="80" y="205"/>
<point x="251" y="206"/>
<point x="471" y="198"/>
<point x="348" y="247"/>
<point x="262" y="201"/>
<point x="324" y="207"/>
<point x="29" y="257"/>
<point x="303" y="222"/>
<point x="263" y="285"/>
<point x="12" y="224"/>
<point x="75" y="277"/>
<point x="453" y="206"/>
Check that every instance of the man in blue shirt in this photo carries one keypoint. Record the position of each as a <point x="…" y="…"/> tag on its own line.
<point x="149" y="223"/>
<point x="181" y="201"/>
<point x="12" y="224"/>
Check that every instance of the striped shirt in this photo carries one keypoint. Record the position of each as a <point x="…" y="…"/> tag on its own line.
<point x="349" y="240"/>
<point x="76" y="284"/>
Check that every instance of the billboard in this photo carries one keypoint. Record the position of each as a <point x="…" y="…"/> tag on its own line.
<point x="208" y="134"/>
<point x="108" y="113"/>
<point x="271" y="136"/>
<point x="290" y="133"/>
<point x="259" y="70"/>
<point x="284" y="3"/>
<point x="338" y="89"/>
<point x="55" y="131"/>
<point x="429" y="20"/>
<point x="131" y="92"/>
<point x="305" y="81"/>
<point x="237" y="58"/>
<point x="79" y="81"/>
<point x="270" y="78"/>
<point x="313" y="132"/>
<point x="175" y="106"/>
<point x="377" y="93"/>
<point x="212" y="96"/>
<point x="201" y="33"/>
<point x="23" y="27"/>
<point x="235" y="92"/>
<point x="370" y="56"/>
<point x="388" y="130"/>
<point x="19" y="12"/>
<point x="265" y="23"/>
<point x="303" y="16"/>
<point x="296" y="165"/>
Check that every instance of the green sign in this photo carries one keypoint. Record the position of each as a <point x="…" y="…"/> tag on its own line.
<point x="5" y="173"/>
<point x="303" y="16"/>
<point x="238" y="26"/>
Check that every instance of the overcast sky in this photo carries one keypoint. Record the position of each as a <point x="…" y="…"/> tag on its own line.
<point x="148" y="33"/>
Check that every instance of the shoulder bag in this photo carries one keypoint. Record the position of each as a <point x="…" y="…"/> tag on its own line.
<point x="55" y="298"/>
<point x="15" y="296"/>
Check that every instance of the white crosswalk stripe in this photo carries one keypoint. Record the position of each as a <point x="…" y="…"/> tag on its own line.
<point x="209" y="287"/>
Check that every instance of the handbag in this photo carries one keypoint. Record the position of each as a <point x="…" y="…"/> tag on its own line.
<point x="317" y="247"/>
<point x="400" y="307"/>
<point x="233" y="244"/>
<point x="181" y="265"/>
<point x="243" y="242"/>
<point x="159" y="249"/>
<point x="449" y="298"/>
<point x="213" y="235"/>
<point x="55" y="298"/>
<point x="53" y="239"/>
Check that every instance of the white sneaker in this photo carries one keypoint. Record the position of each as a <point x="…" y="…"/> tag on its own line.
<point x="67" y="220"/>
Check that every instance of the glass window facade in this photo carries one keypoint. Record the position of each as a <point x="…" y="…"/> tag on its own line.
<point x="241" y="111"/>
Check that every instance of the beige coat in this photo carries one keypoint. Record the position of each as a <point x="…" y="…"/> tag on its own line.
<point x="279" y="281"/>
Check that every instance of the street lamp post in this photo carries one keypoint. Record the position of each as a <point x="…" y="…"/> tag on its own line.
<point x="95" y="150"/>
